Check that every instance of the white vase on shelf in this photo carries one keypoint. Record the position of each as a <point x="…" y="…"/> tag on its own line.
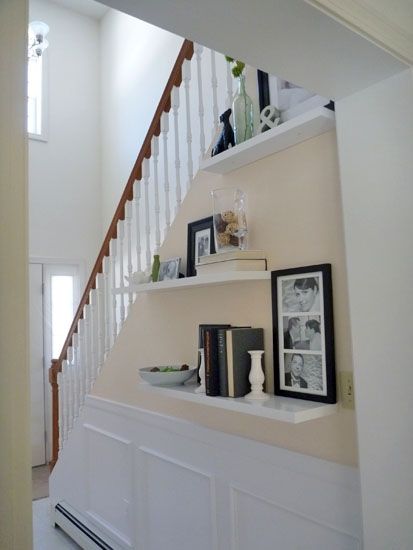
<point x="201" y="388"/>
<point x="256" y="377"/>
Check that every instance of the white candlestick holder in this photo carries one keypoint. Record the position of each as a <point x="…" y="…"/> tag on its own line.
<point x="256" y="377"/>
<point x="201" y="388"/>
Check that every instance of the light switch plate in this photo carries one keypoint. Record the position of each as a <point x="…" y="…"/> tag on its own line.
<point x="347" y="389"/>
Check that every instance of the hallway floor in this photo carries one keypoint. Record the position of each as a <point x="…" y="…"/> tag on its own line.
<point x="45" y="536"/>
<point x="40" y="482"/>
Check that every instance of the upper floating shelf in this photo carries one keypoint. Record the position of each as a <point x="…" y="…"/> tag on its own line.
<point x="310" y="124"/>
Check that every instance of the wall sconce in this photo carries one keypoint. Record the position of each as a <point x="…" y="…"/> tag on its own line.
<point x="37" y="38"/>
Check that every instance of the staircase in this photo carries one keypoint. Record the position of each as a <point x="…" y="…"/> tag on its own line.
<point x="149" y="204"/>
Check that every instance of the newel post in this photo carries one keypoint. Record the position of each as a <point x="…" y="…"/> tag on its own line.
<point x="53" y="371"/>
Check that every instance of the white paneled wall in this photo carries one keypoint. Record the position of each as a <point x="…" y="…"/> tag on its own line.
<point x="144" y="481"/>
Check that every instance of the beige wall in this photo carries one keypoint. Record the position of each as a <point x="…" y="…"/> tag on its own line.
<point x="294" y="213"/>
<point x="15" y="480"/>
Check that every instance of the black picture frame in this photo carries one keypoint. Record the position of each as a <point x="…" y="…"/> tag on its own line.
<point x="303" y="333"/>
<point x="205" y="227"/>
<point x="265" y="94"/>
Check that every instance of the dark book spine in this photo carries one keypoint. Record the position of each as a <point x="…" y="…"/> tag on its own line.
<point x="211" y="362"/>
<point x="222" y="363"/>
<point x="239" y="360"/>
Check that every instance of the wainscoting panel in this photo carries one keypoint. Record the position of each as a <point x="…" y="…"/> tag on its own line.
<point x="289" y="530"/>
<point x="109" y="473"/>
<point x="169" y="491"/>
<point x="152" y="482"/>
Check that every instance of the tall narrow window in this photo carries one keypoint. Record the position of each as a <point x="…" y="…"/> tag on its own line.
<point x="36" y="96"/>
<point x="34" y="92"/>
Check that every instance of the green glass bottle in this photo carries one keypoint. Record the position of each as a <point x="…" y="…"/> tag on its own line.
<point x="243" y="113"/>
<point x="155" y="268"/>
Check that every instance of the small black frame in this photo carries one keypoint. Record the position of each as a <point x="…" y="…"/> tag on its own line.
<point x="200" y="229"/>
<point x="303" y="333"/>
<point x="264" y="94"/>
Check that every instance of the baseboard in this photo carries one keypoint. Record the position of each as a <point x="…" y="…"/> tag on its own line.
<point x="77" y="529"/>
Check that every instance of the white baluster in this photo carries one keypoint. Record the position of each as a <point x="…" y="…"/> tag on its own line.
<point x="71" y="387"/>
<point x="60" y="399"/>
<point x="214" y="84"/>
<point x="94" y="342"/>
<point x="112" y="286"/>
<point x="128" y="222"/>
<point x="107" y="299"/>
<point x="100" y="285"/>
<point x="65" y="408"/>
<point x="175" y="108"/>
<point x="121" y="238"/>
<point x="165" y="130"/>
<point x="137" y="200"/>
<point x="155" y="154"/>
<point x="230" y="92"/>
<point x="76" y="373"/>
<point x="198" y="54"/>
<point x="186" y="72"/>
<point x="145" y="176"/>
<point x="88" y="351"/>
<point x="82" y="362"/>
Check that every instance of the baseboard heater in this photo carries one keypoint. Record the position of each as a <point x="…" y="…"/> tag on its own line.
<point x="77" y="530"/>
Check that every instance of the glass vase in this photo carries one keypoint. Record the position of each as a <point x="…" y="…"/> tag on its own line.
<point x="242" y="113"/>
<point x="230" y="219"/>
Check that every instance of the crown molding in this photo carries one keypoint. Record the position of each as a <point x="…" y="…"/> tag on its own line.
<point x="369" y="22"/>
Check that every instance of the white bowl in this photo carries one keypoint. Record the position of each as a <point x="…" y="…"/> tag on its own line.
<point x="174" y="378"/>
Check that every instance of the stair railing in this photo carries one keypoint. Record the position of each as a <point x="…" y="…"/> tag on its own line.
<point x="139" y="225"/>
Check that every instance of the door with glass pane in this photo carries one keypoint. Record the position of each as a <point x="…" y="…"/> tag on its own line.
<point x="54" y="297"/>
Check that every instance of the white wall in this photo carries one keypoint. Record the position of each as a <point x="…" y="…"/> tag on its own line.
<point x="375" y="136"/>
<point x="64" y="172"/>
<point x="137" y="59"/>
<point x="15" y="478"/>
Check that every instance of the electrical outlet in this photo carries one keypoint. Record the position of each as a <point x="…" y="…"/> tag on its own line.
<point x="347" y="389"/>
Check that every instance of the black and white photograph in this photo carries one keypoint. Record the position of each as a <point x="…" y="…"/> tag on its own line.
<point x="303" y="371"/>
<point x="301" y="294"/>
<point x="200" y="243"/>
<point x="169" y="269"/>
<point x="303" y="333"/>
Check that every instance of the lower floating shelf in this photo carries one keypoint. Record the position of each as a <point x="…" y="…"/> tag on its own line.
<point x="280" y="408"/>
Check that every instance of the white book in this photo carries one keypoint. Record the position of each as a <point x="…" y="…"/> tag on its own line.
<point x="232" y="265"/>
<point x="232" y="255"/>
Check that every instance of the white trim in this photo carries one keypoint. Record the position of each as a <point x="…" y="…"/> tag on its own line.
<point x="367" y="21"/>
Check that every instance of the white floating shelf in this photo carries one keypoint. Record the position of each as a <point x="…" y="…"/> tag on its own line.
<point x="310" y="124"/>
<point x="198" y="281"/>
<point x="284" y="409"/>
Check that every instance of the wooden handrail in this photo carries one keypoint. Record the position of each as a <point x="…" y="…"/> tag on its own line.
<point x="164" y="105"/>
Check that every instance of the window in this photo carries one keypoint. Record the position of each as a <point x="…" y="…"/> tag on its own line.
<point x="36" y="80"/>
<point x="34" y="94"/>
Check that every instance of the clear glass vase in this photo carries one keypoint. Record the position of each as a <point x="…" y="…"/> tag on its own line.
<point x="230" y="219"/>
<point x="242" y="113"/>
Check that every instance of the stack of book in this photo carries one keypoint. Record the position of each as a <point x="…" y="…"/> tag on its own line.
<point x="227" y="361"/>
<point x="234" y="260"/>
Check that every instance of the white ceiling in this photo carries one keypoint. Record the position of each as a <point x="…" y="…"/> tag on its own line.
<point x="289" y="38"/>
<point x="85" y="7"/>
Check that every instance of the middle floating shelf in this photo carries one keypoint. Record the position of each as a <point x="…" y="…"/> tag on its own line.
<point x="197" y="282"/>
